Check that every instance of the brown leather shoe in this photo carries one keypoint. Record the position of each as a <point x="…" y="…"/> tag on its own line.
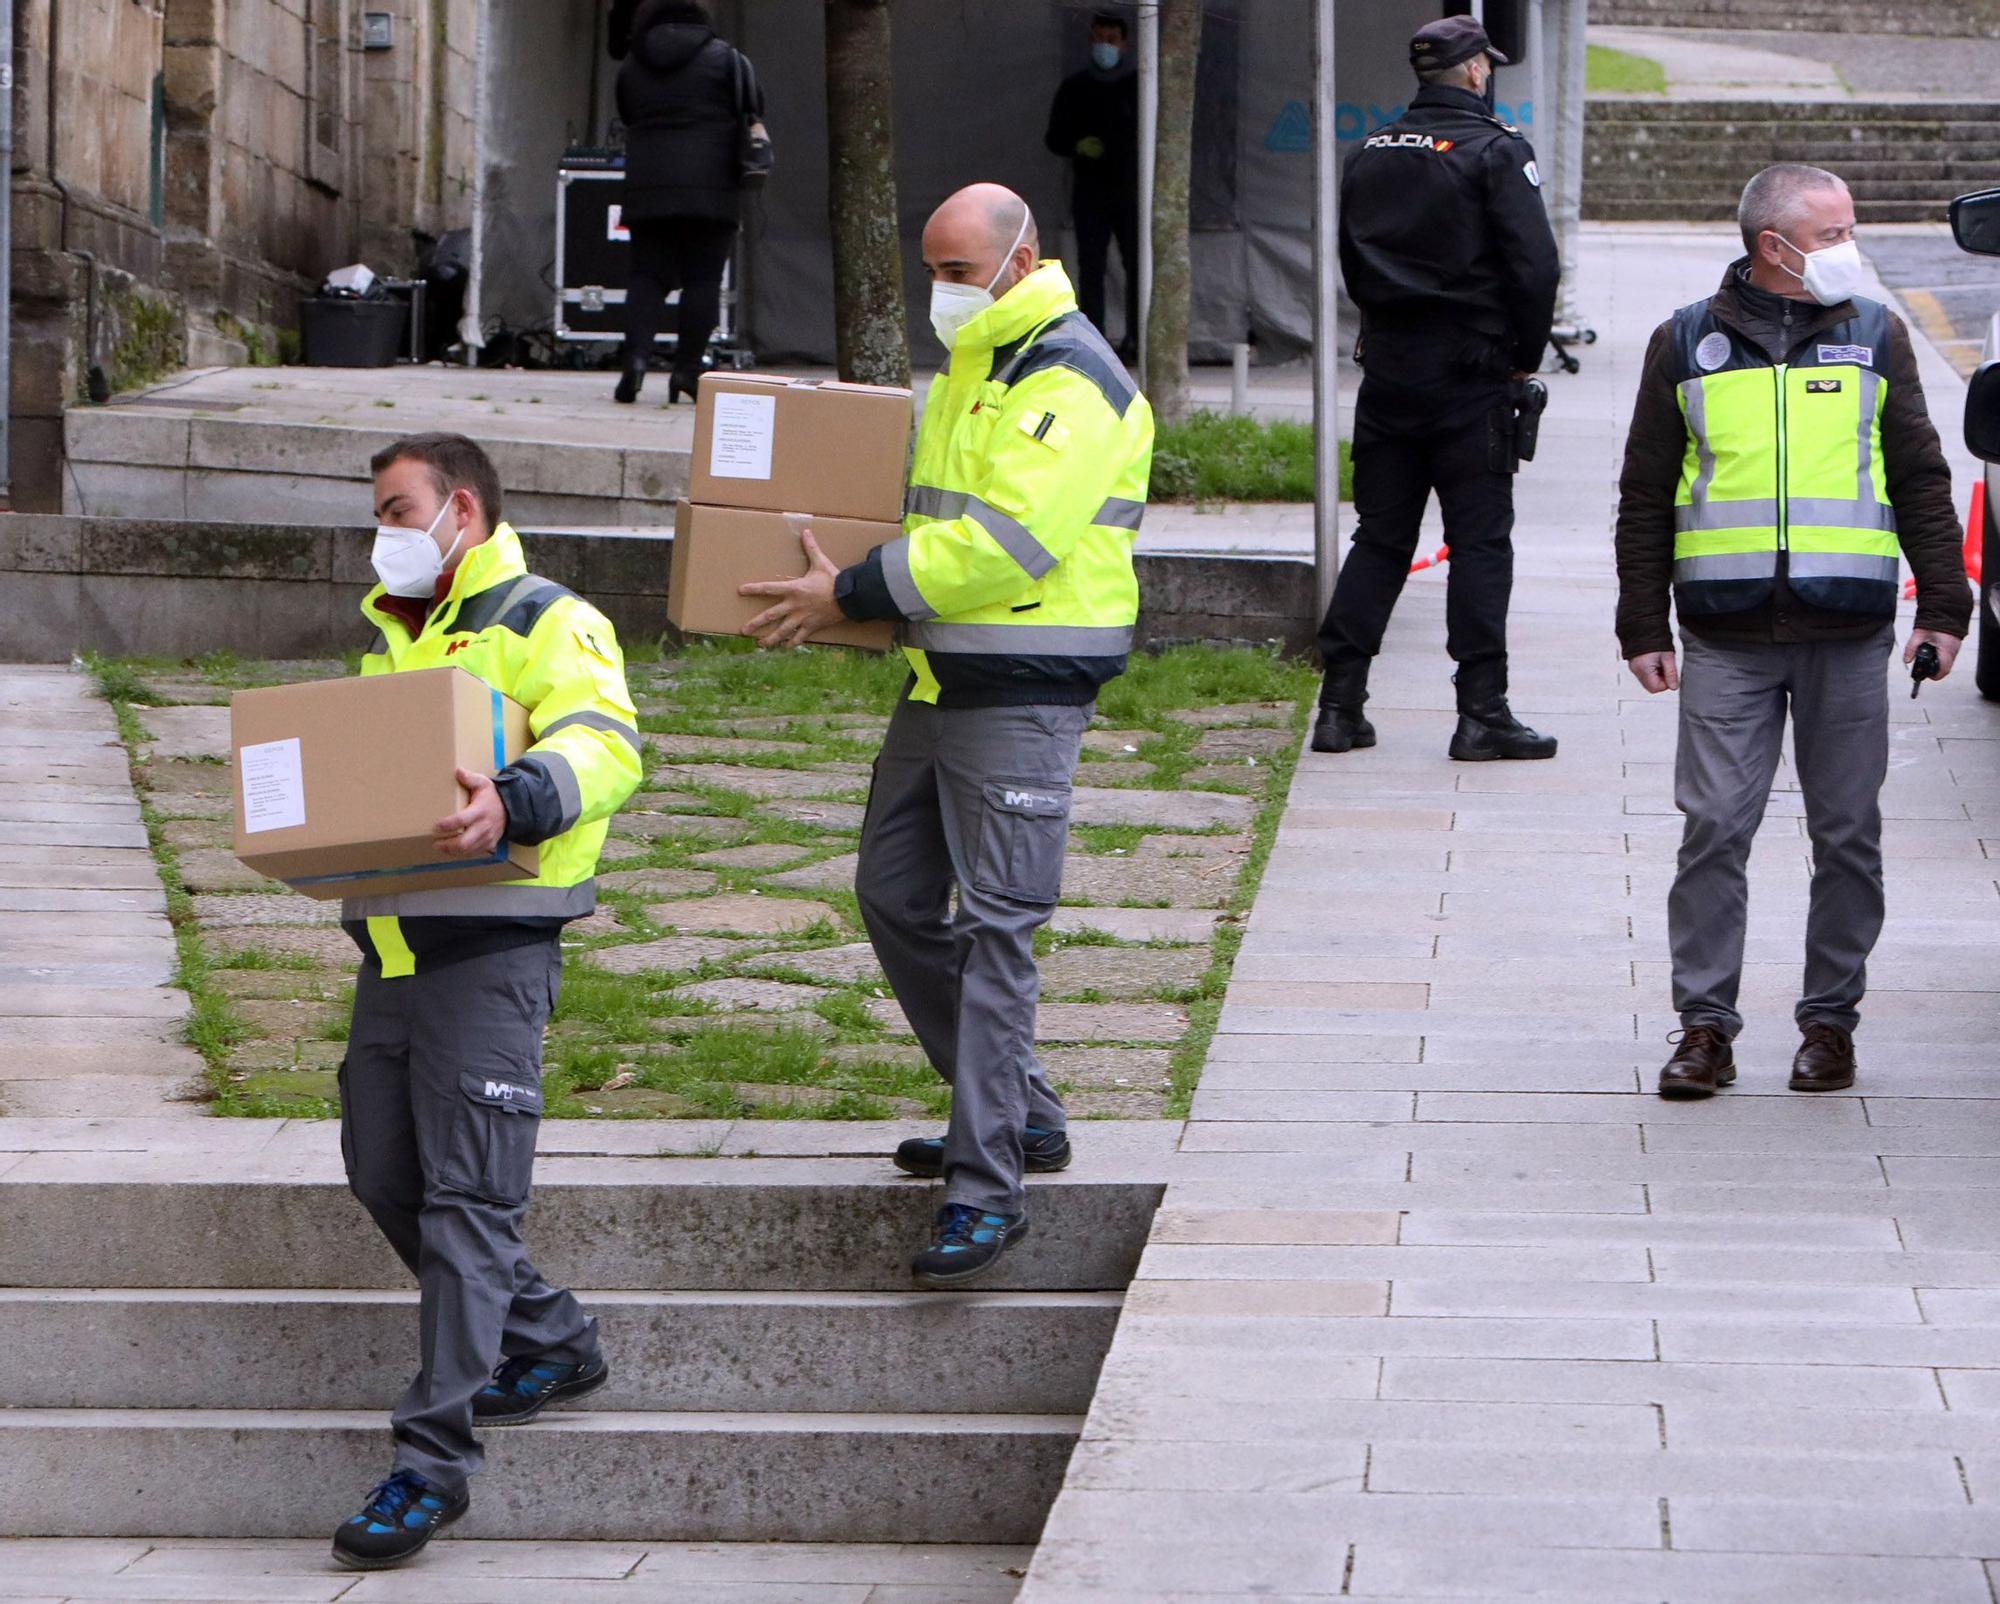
<point x="1825" y="1060"/>
<point x="1702" y="1064"/>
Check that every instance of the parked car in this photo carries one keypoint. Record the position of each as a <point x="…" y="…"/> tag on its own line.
<point x="1975" y="224"/>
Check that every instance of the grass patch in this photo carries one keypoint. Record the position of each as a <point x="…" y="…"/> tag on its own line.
<point x="1215" y="458"/>
<point x="1619" y="72"/>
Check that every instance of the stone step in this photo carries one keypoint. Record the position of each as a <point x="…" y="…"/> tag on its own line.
<point x="576" y="1476"/>
<point x="854" y="1352"/>
<point x="615" y="1224"/>
<point x="1722" y="211"/>
<point x="1868" y="115"/>
<point x="1671" y="186"/>
<point x="1911" y="18"/>
<point x="1643" y="164"/>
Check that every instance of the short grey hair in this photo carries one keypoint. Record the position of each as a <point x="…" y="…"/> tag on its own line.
<point x="1456" y="76"/>
<point x="1771" y="200"/>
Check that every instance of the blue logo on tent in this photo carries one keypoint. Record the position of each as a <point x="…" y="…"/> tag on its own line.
<point x="1293" y="131"/>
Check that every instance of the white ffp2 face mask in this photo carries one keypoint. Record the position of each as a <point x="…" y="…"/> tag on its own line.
<point x="1831" y="274"/>
<point x="408" y="561"/>
<point x="955" y="305"/>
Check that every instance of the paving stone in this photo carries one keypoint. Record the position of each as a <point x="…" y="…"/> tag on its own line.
<point x="785" y="1095"/>
<point x="1088" y="1105"/>
<point x="904" y="1054"/>
<point x="842" y="965"/>
<point x="857" y="724"/>
<point x="652" y="884"/>
<point x="1122" y="971"/>
<point x="670" y="953"/>
<point x="284" y="1019"/>
<point x="1115" y="743"/>
<point x="184" y="782"/>
<point x="604" y="922"/>
<point x="1236" y="744"/>
<point x="748" y="913"/>
<point x="696" y="826"/>
<point x="757" y="855"/>
<point x="762" y="995"/>
<point x="1137" y="924"/>
<point x="842" y="816"/>
<point x="696" y="746"/>
<point x="329" y="946"/>
<point x="1234" y="713"/>
<point x="183" y="732"/>
<point x="216" y="869"/>
<point x="299" y="1053"/>
<point x="285" y="908"/>
<point x="1074" y="1022"/>
<point x="1172" y="810"/>
<point x="798" y="1021"/>
<point x="1130" y="772"/>
<point x="829" y="874"/>
<point x="317" y="985"/>
<point x="1110" y="1069"/>
<point x="615" y="850"/>
<point x="637" y="1100"/>
<point x="187" y="835"/>
<point x="829" y="779"/>
<point x="1177" y="882"/>
<point x="655" y="800"/>
<point x="1165" y="844"/>
<point x="1246" y="777"/>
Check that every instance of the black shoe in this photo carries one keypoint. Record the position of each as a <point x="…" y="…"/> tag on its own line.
<point x="1703" y="1063"/>
<point x="1487" y="729"/>
<point x="401" y="1515"/>
<point x="630" y="384"/>
<point x="522" y="1388"/>
<point x="1341" y="729"/>
<point x="1045" y="1152"/>
<point x="1825" y="1059"/>
<point x="680" y="384"/>
<point x="967" y="1243"/>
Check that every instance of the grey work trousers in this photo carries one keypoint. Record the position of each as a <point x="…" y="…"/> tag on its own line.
<point x="440" y="1100"/>
<point x="1732" y="723"/>
<point x="977" y="799"/>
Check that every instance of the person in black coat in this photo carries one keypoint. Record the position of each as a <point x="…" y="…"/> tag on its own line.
<point x="678" y="96"/>
<point x="1094" y="125"/>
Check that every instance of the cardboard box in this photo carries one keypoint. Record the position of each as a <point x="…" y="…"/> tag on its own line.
<point x="338" y="782"/>
<point x="800" y="445"/>
<point x="717" y="549"/>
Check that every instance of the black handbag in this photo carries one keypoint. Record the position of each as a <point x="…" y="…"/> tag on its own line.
<point x="754" y="155"/>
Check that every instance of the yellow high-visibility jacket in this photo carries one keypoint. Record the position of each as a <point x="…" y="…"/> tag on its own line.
<point x="555" y="654"/>
<point x="1013" y="580"/>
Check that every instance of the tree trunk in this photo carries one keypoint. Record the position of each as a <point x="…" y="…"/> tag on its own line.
<point x="868" y="315"/>
<point x="1167" y="317"/>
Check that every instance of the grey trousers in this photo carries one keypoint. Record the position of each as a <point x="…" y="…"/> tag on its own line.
<point x="976" y="799"/>
<point x="440" y="1100"/>
<point x="1732" y="723"/>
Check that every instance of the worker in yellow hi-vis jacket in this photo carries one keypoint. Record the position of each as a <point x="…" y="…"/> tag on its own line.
<point x="1014" y="589"/>
<point x="440" y="1091"/>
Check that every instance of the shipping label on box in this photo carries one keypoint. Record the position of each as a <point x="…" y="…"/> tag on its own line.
<point x="717" y="549"/>
<point x="775" y="444"/>
<point x="339" y="782"/>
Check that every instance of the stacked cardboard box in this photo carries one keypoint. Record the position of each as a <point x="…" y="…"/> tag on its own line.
<point x="773" y="456"/>
<point x="339" y="782"/>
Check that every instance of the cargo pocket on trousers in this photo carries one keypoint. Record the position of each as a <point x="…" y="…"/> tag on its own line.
<point x="492" y="1154"/>
<point x="1023" y="829"/>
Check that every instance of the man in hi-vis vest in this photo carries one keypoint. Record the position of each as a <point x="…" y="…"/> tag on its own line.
<point x="1780" y="459"/>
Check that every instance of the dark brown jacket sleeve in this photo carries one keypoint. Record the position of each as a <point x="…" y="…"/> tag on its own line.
<point x="1920" y="490"/>
<point x="1654" y="448"/>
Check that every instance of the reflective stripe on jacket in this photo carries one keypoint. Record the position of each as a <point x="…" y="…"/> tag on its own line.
<point x="558" y="656"/>
<point x="1014" y="578"/>
<point x="1784" y="458"/>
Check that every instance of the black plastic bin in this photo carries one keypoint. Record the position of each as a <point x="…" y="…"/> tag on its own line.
<point x="343" y="333"/>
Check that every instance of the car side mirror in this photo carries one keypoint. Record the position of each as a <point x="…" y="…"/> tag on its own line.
<point x="1975" y="222"/>
<point x="1982" y="412"/>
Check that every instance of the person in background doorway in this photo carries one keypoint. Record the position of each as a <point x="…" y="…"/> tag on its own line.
<point x="1094" y="126"/>
<point x="678" y="96"/>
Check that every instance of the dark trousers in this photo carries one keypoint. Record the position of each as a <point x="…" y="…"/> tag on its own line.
<point x="1100" y="219"/>
<point x="1404" y="448"/>
<point x="676" y="253"/>
<point x="440" y="1099"/>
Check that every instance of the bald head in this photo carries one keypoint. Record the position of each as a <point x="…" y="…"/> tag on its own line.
<point x="983" y="235"/>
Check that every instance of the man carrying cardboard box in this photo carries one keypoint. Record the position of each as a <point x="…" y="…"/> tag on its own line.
<point x="440" y="1092"/>
<point x="1014" y="592"/>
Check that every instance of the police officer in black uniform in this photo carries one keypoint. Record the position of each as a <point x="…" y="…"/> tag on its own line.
<point x="1446" y="249"/>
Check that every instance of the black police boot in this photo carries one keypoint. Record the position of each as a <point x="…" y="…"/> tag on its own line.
<point x="630" y="381"/>
<point x="1341" y="725"/>
<point x="1487" y="729"/>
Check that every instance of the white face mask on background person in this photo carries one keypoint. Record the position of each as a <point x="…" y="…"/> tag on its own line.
<point x="955" y="305"/>
<point x="1831" y="274"/>
<point x="1105" y="56"/>
<point x="408" y="561"/>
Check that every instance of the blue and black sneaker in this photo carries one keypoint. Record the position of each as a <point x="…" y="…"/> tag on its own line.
<point x="1045" y="1152"/>
<point x="968" y="1242"/>
<point x="522" y="1388"/>
<point x="401" y="1515"/>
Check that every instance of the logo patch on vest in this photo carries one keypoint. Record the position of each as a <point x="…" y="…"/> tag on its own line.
<point x="1712" y="352"/>
<point x="1864" y="355"/>
<point x="1822" y="387"/>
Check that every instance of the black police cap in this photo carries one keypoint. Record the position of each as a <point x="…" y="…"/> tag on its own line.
<point x="1450" y="40"/>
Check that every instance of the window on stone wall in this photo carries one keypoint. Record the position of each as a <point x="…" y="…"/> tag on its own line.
<point x="326" y="91"/>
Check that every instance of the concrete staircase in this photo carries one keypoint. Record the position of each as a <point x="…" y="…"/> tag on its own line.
<point x="1936" y="19"/>
<point x="215" y="1357"/>
<point x="1687" y="161"/>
